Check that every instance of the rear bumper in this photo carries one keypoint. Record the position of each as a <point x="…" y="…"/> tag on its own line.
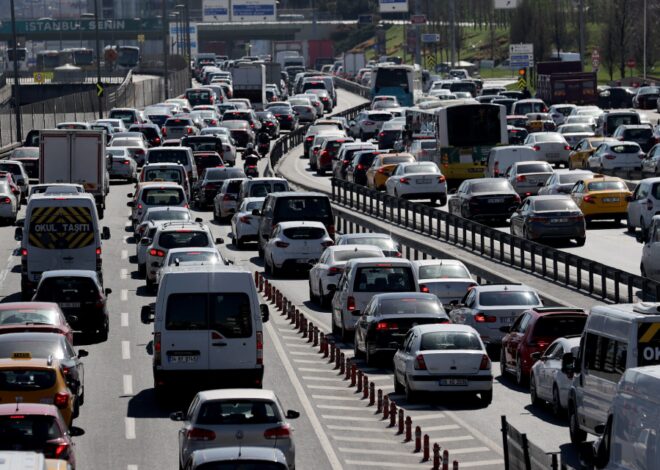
<point x="431" y="383"/>
<point x="216" y="378"/>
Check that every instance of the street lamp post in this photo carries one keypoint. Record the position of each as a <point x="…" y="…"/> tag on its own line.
<point x="644" y="66"/>
<point x="98" y="56"/>
<point x="16" y="89"/>
<point x="166" y="48"/>
<point x="183" y="9"/>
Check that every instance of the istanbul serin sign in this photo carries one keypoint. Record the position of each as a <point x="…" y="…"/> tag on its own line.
<point x="84" y="25"/>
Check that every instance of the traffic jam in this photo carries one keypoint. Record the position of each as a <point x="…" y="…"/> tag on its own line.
<point x="193" y="168"/>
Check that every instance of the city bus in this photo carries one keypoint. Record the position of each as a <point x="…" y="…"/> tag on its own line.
<point x="464" y="130"/>
<point x="47" y="60"/>
<point x="81" y="57"/>
<point x="128" y="56"/>
<point x="8" y="60"/>
<point x="402" y="81"/>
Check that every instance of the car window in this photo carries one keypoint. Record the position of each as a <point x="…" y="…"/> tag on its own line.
<point x="345" y="255"/>
<point x="29" y="315"/>
<point x="304" y="233"/>
<point x="555" y="205"/>
<point x="227" y="313"/>
<point x="62" y="289"/>
<point x="450" y="340"/>
<point x="533" y="168"/>
<point x="243" y="411"/>
<point x="168" y="156"/>
<point x="303" y="208"/>
<point x="508" y="297"/>
<point x="196" y="256"/>
<point x="555" y="326"/>
<point x="40" y="349"/>
<point x="384" y="279"/>
<point x="607" y="186"/>
<point x="157" y="174"/>
<point x="183" y="239"/>
<point x="409" y="306"/>
<point x="447" y="271"/>
<point x="26" y="380"/>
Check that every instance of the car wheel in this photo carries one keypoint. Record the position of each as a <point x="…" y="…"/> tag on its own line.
<point x="142" y="269"/>
<point x="578" y="436"/>
<point x="580" y="241"/>
<point x="102" y="334"/>
<point x="486" y="397"/>
<point x="557" y="409"/>
<point x="216" y="217"/>
<point x="629" y="227"/>
<point x="76" y="410"/>
<point x="398" y="388"/>
<point x="521" y="380"/>
<point x="532" y="391"/>
<point x="356" y="351"/>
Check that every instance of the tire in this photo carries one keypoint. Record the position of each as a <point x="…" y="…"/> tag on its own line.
<point x="557" y="409"/>
<point x="486" y="397"/>
<point x="643" y="229"/>
<point x="629" y="228"/>
<point x="76" y="410"/>
<point x="398" y="388"/>
<point x="578" y="436"/>
<point x="443" y="201"/>
<point x="323" y="299"/>
<point x="142" y="269"/>
<point x="521" y="380"/>
<point x="151" y="286"/>
<point x="581" y="241"/>
<point x="260" y="251"/>
<point x="411" y="396"/>
<point x="238" y="243"/>
<point x="101" y="212"/>
<point x="356" y="351"/>
<point x="536" y="401"/>
<point x="102" y="334"/>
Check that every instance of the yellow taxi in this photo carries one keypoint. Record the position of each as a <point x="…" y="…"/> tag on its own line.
<point x="56" y="464"/>
<point x="578" y="157"/>
<point x="602" y="197"/>
<point x="383" y="166"/>
<point x="25" y="379"/>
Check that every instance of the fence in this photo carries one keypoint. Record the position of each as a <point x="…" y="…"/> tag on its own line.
<point x="520" y="454"/>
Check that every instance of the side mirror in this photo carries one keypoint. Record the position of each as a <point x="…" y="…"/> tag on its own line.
<point x="146" y="241"/>
<point x="453" y="191"/>
<point x="130" y="203"/>
<point x="18" y="234"/>
<point x="147" y="314"/>
<point x="219" y="241"/>
<point x="105" y="233"/>
<point x="83" y="353"/>
<point x="75" y="431"/>
<point x="177" y="416"/>
<point x="536" y="355"/>
<point x="505" y="329"/>
<point x="265" y="313"/>
<point x="199" y="220"/>
<point x="599" y="429"/>
<point x="129" y="195"/>
<point x="394" y="345"/>
<point x="291" y="414"/>
<point x="108" y="291"/>
<point x="568" y="365"/>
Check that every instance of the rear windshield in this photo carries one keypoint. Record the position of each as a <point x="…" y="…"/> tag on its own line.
<point x="406" y="306"/>
<point x="168" y="156"/>
<point x="550" y="137"/>
<point x="490" y="186"/>
<point x="443" y="271"/>
<point x="238" y="412"/>
<point x="353" y="254"/>
<point x="65" y="227"/>
<point x="11" y="168"/>
<point x="198" y="95"/>
<point x="263" y="189"/>
<point x="196" y="256"/>
<point x="608" y="186"/>
<point x="534" y="168"/>
<point x="158" y="174"/>
<point x="380" y="117"/>
<point x="366" y="159"/>
<point x="571" y="177"/>
<point x="384" y="279"/>
<point x="163" y="196"/>
<point x="382" y="243"/>
<point x="304" y="233"/>
<point x="207" y="160"/>
<point x="125" y="142"/>
<point x="503" y="298"/>
<point x="27" y="432"/>
<point x="178" y="122"/>
<point x="625" y="148"/>
<point x="227" y="313"/>
<point x="575" y="128"/>
<point x="395" y="160"/>
<point x="638" y="134"/>
<point x="50" y="345"/>
<point x="168" y="215"/>
<point x="26" y="379"/>
<point x="123" y="115"/>
<point x="440" y="340"/>
<point x="29" y="315"/>
<point x="615" y="121"/>
<point x="183" y="239"/>
<point x="556" y="326"/>
<point x="555" y="205"/>
<point x="65" y="289"/>
<point x="303" y="208"/>
<point x="421" y="168"/>
<point x="210" y="145"/>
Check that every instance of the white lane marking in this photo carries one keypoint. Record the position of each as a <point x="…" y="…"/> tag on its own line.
<point x="326" y="387"/>
<point x="132" y="467"/>
<point x="348" y="418"/>
<point x="292" y="345"/>
<point x="124" y="295"/>
<point x="481" y="463"/>
<point x="304" y="400"/>
<point x="371" y="440"/>
<point x="123" y="273"/>
<point x="360" y="463"/>
<point x="344" y="408"/>
<point x="429" y="416"/>
<point x="302" y="353"/>
<point x="129" y="427"/>
<point x="323" y="379"/>
<point x="348" y="450"/>
<point x="442" y="440"/>
<point x="125" y="350"/>
<point x="477" y="434"/>
<point x="332" y="397"/>
<point x="380" y="377"/>
<point x="357" y="429"/>
<point x="128" y="385"/>
<point x="124" y="254"/>
<point x="469" y="450"/>
<point x="445" y="427"/>
<point x="124" y="319"/>
<point x="314" y="369"/>
<point x="305" y="361"/>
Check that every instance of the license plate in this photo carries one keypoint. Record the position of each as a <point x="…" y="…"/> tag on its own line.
<point x="46" y="401"/>
<point x="498" y="200"/>
<point x="453" y="381"/>
<point x="611" y="199"/>
<point x="552" y="155"/>
<point x="302" y="261"/>
<point x="507" y="320"/>
<point x="184" y="359"/>
<point x="70" y="305"/>
<point x="423" y="181"/>
<point x="558" y="221"/>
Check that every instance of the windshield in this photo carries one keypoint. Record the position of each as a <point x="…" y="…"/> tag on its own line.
<point x="450" y="340"/>
<point x="575" y="128"/>
<point x="183" y="239"/>
<point x="163" y="196"/>
<point x="384" y="279"/>
<point x="263" y="189"/>
<point x="194" y="256"/>
<point x="384" y="244"/>
<point x="126" y="143"/>
<point x="304" y="233"/>
<point x="508" y="297"/>
<point x="634" y="134"/>
<point x="49" y="346"/>
<point x="62" y="289"/>
<point x="29" y="315"/>
<point x="443" y="271"/>
<point x="28" y="152"/>
<point x="557" y="326"/>
<point x="168" y="156"/>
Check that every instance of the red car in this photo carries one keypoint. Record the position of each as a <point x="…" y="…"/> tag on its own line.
<point x="37" y="427"/>
<point x="533" y="331"/>
<point x="34" y="317"/>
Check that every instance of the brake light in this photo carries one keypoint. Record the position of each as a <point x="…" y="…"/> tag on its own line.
<point x="61" y="399"/>
<point x="424" y="288"/>
<point x="383" y="326"/>
<point x="441" y="179"/>
<point x="331" y="230"/>
<point x="5" y="200"/>
<point x="199" y="434"/>
<point x="281" y="244"/>
<point x="381" y="134"/>
<point x="139" y="206"/>
<point x="157" y="140"/>
<point x="126" y="162"/>
<point x="589" y="199"/>
<point x="419" y="362"/>
<point x="404" y="180"/>
<point x="244" y="219"/>
<point x="157" y="348"/>
<point x="279" y="432"/>
<point x="98" y="251"/>
<point x="537" y="148"/>
<point x="24" y="252"/>
<point x="214" y="122"/>
<point x="520" y="178"/>
<point x="360" y="166"/>
<point x="609" y="157"/>
<point x="485" y="363"/>
<point x="350" y="303"/>
<point x="333" y="271"/>
<point x="61" y="450"/>
<point x="163" y="131"/>
<point x="325" y="153"/>
<point x="483" y="318"/>
<point x="327" y="243"/>
<point x="309" y="139"/>
<point x="158" y="253"/>
<point x="260" y="348"/>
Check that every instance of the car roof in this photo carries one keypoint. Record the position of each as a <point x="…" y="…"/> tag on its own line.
<point x="28" y="305"/>
<point x="438" y="262"/>
<point x="429" y="328"/>
<point x="301" y="223"/>
<point x="182" y="224"/>
<point x="237" y="394"/>
<point x="358" y="236"/>
<point x="28" y="409"/>
<point x="603" y="178"/>
<point x="406" y="295"/>
<point x="70" y="273"/>
<point x="501" y="287"/>
<point x="377" y="261"/>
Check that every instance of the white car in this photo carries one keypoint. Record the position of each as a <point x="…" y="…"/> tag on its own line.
<point x="123" y="165"/>
<point x="418" y="180"/>
<point x="547" y="382"/>
<point x="224" y="203"/>
<point x="574" y="133"/>
<point x="644" y="204"/>
<point x="368" y="123"/>
<point x="559" y="112"/>
<point x="441" y="358"/>
<point x="423" y="149"/>
<point x="550" y="146"/>
<point x="178" y="257"/>
<point x="245" y="224"/>
<point x="325" y="274"/>
<point x="296" y="244"/>
<point x="384" y="241"/>
<point x="447" y="279"/>
<point x="616" y="156"/>
<point x="8" y="203"/>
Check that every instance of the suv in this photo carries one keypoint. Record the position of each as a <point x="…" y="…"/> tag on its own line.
<point x="174" y="235"/>
<point x="641" y="134"/>
<point x="261" y="187"/>
<point x="608" y="122"/>
<point x="181" y="155"/>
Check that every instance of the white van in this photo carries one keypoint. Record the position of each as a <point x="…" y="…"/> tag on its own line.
<point x="630" y="438"/>
<point x="207" y="328"/>
<point x="59" y="232"/>
<point x="500" y="159"/>
<point x="615" y="338"/>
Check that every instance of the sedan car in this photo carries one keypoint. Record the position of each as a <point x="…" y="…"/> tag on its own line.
<point x="528" y="177"/>
<point x="443" y="358"/>
<point x="295" y="245"/>
<point x="137" y="148"/>
<point x="123" y="165"/>
<point x="484" y="199"/>
<point x="532" y="332"/>
<point x="285" y="115"/>
<point x="244" y="223"/>
<point x="44" y="317"/>
<point x="387" y="318"/>
<point x="574" y="133"/>
<point x="306" y="113"/>
<point x="549" y="217"/>
<point x="602" y="197"/>
<point x="547" y="381"/>
<point x="562" y="181"/>
<point x="580" y="154"/>
<point x="616" y="156"/>
<point x="551" y="146"/>
<point x="488" y="308"/>
<point x="646" y="97"/>
<point x="383" y="241"/>
<point x="447" y="279"/>
<point x="245" y="417"/>
<point x="325" y="274"/>
<point x="418" y="180"/>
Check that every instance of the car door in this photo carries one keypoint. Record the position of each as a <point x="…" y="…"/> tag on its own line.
<point x="362" y="325"/>
<point x="391" y="182"/>
<point x="314" y="273"/>
<point x="402" y="356"/>
<point x="339" y="299"/>
<point x="517" y="338"/>
<point x="552" y="368"/>
<point x="518" y="218"/>
<point x="637" y="205"/>
<point x="651" y="253"/>
<point x="231" y="334"/>
<point x="542" y="375"/>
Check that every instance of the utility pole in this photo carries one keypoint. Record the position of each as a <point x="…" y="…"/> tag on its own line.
<point x="98" y="58"/>
<point x="186" y="11"/>
<point x="644" y="60"/>
<point x="418" y="46"/>
<point x="166" y="47"/>
<point x="16" y="89"/>
<point x="581" y="28"/>
<point x="452" y="31"/>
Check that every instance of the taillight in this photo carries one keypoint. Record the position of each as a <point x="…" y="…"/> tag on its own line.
<point x="228" y="197"/>
<point x="589" y="199"/>
<point x="537" y="148"/>
<point x="309" y="139"/>
<point x="199" y="434"/>
<point x="324" y="154"/>
<point x="280" y="244"/>
<point x="381" y="134"/>
<point x="245" y="219"/>
<point x="350" y="303"/>
<point x="520" y="178"/>
<point x="139" y="206"/>
<point x="485" y="363"/>
<point x="404" y="180"/>
<point x="126" y="162"/>
<point x="441" y="179"/>
<point x="163" y="131"/>
<point x="158" y="253"/>
<point x="260" y="348"/>
<point x="157" y="349"/>
<point x="333" y="271"/>
<point x="98" y="251"/>
<point x="279" y="432"/>
<point x="61" y="399"/>
<point x="24" y="252"/>
<point x="214" y="122"/>
<point x="189" y="130"/>
<point x="383" y="326"/>
<point x="5" y="200"/>
<point x="61" y="450"/>
<point x="483" y="318"/>
<point x="331" y="230"/>
<point x="424" y="288"/>
<point x="157" y="140"/>
<point x="327" y="243"/>
<point x="567" y="147"/>
<point x="419" y="362"/>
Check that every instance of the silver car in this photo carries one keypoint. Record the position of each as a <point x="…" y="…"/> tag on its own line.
<point x="137" y="148"/>
<point x="448" y="279"/>
<point x="177" y="127"/>
<point x="527" y="178"/>
<point x="368" y="123"/>
<point x="562" y="181"/>
<point x="574" y="133"/>
<point x="551" y="146"/>
<point x="232" y="417"/>
<point x="123" y="166"/>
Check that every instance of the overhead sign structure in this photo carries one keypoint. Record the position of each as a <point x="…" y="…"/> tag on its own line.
<point x="178" y="33"/>
<point x="393" y="6"/>
<point x="505" y="4"/>
<point x="521" y="55"/>
<point x="214" y="11"/>
<point x="430" y="38"/>
<point x="82" y="25"/>
<point x="253" y="10"/>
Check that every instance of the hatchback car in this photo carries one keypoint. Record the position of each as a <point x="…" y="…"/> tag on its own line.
<point x="245" y="224"/>
<point x="345" y="157"/>
<point x="602" y="197"/>
<point x="640" y="134"/>
<point x="19" y="175"/>
<point x="383" y="241"/>
<point x="562" y="181"/>
<point x="368" y="123"/>
<point x="295" y="245"/>
<point x="574" y="133"/>
<point x="208" y="186"/>
<point x="581" y="152"/>
<point x="264" y="458"/>
<point x="285" y="115"/>
<point x="177" y="127"/>
<point x="551" y="146"/>
<point x="225" y="201"/>
<point x="549" y="217"/>
<point x="418" y="180"/>
<point x="447" y="279"/>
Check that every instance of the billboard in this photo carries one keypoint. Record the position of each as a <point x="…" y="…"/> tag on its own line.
<point x="393" y="6"/>
<point x="253" y="10"/>
<point x="215" y="10"/>
<point x="505" y="4"/>
<point x="178" y="34"/>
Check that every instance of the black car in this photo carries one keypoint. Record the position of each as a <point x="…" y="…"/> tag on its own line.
<point x="506" y="102"/>
<point x="484" y="199"/>
<point x="356" y="171"/>
<point x="211" y="180"/>
<point x="270" y="123"/>
<point x="385" y="321"/>
<point x="615" y="98"/>
<point x="151" y="133"/>
<point x="553" y="216"/>
<point x="389" y="134"/>
<point x="646" y="97"/>
<point x="640" y="134"/>
<point x="286" y="116"/>
<point x="344" y="158"/>
<point x="517" y="135"/>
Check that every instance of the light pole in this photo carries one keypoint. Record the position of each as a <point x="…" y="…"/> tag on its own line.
<point x="644" y="71"/>
<point x="97" y="39"/>
<point x="166" y="48"/>
<point x="183" y="8"/>
<point x="16" y="89"/>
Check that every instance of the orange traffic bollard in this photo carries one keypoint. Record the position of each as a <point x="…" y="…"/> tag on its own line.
<point x="400" y="421"/>
<point x="455" y="464"/>
<point x="386" y="407"/>
<point x="379" y="408"/>
<point x="418" y="439"/>
<point x="372" y="394"/>
<point x="445" y="460"/>
<point x="353" y="375"/>
<point x="322" y="343"/>
<point x="436" y="457"/>
<point x="392" y="414"/>
<point x="425" y="457"/>
<point x="256" y="279"/>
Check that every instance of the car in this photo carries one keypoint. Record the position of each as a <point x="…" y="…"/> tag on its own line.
<point x="642" y="134"/>
<point x="532" y="332"/>
<point x="284" y="114"/>
<point x="616" y="155"/>
<point x="303" y="109"/>
<point x="649" y="266"/>
<point x="315" y="148"/>
<point x="225" y="200"/>
<point x="383" y="241"/>
<point x="175" y="154"/>
<point x="574" y="133"/>
<point x="447" y="279"/>
<point x="151" y="132"/>
<point x="317" y="128"/>
<point x="608" y="122"/>
<point x="127" y="115"/>
<point x="528" y="177"/>
<point x="295" y="245"/>
<point x="418" y="180"/>
<point x="44" y="317"/>
<point x="324" y="97"/>
<point x="501" y="158"/>
<point x="616" y="97"/>
<point x="423" y="149"/>
<point x="643" y="205"/>
<point x="368" y="123"/>
<point x="170" y="172"/>
<point x="602" y="197"/>
<point x="327" y="153"/>
<point x="551" y="147"/>
<point x="19" y="176"/>
<point x="136" y="147"/>
<point x="160" y="214"/>
<point x="37" y="427"/>
<point x="382" y="167"/>
<point x="244" y="223"/>
<point x="581" y="152"/>
<point x="646" y="97"/>
<point x="123" y="165"/>
<point x="80" y="295"/>
<point x="356" y="170"/>
<point x="9" y="203"/>
<point x="118" y="125"/>
<point x="315" y="101"/>
<point x="387" y="318"/>
<point x="562" y="181"/>
<point x="491" y="307"/>
<point x="29" y="157"/>
<point x="241" y="132"/>
<point x="443" y="358"/>
<point x="531" y="105"/>
<point x="179" y="126"/>
<point x="261" y="457"/>
<point x="345" y="157"/>
<point x="236" y="416"/>
<point x="484" y="199"/>
<point x="651" y="162"/>
<point x="389" y="133"/>
<point x="208" y="117"/>
<point x="155" y="194"/>
<point x="559" y="112"/>
<point x="247" y="115"/>
<point x="540" y="122"/>
<point x="270" y="123"/>
<point x="547" y="381"/>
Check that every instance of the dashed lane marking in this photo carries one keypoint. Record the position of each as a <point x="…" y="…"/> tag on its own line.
<point x="124" y="319"/>
<point x="323" y="379"/>
<point x="124" y="254"/>
<point x="342" y="408"/>
<point x="128" y="385"/>
<point x="357" y="429"/>
<point x="446" y="427"/>
<point x="125" y="350"/>
<point x="129" y="428"/>
<point x="332" y="397"/>
<point x="123" y="273"/>
<point x="326" y="387"/>
<point x="124" y="295"/>
<point x="370" y="440"/>
<point x="350" y="418"/>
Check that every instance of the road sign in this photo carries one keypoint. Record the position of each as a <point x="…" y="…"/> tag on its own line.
<point x="521" y="49"/>
<point x="430" y="38"/>
<point x="631" y="63"/>
<point x="430" y="61"/>
<point x="392" y="6"/>
<point x="522" y="83"/>
<point x="417" y="19"/>
<point x="140" y="38"/>
<point x="521" y="55"/>
<point x="99" y="89"/>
